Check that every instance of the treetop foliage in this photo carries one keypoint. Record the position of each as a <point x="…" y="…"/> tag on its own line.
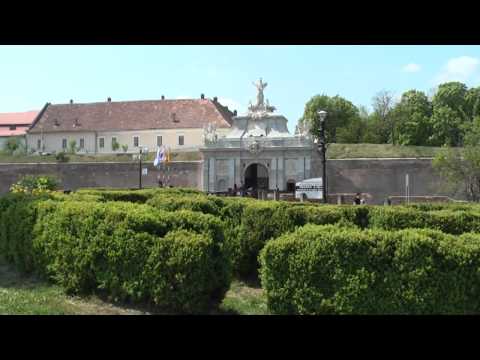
<point x="414" y="119"/>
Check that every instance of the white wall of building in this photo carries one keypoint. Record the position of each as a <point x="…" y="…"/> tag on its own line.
<point x="192" y="140"/>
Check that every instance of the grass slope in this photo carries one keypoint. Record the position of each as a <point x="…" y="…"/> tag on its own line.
<point x="334" y="151"/>
<point x="20" y="295"/>
<point x="352" y="151"/>
<point x="180" y="156"/>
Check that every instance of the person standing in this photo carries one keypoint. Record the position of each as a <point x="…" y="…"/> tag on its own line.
<point x="357" y="200"/>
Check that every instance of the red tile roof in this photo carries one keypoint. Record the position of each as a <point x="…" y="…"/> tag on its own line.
<point x="20" y="130"/>
<point x="18" y="118"/>
<point x="132" y="115"/>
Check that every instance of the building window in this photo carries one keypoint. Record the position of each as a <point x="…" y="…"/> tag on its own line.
<point x="181" y="140"/>
<point x="101" y="143"/>
<point x="82" y="143"/>
<point x="159" y="140"/>
<point x="114" y="143"/>
<point x="64" y="143"/>
<point x="39" y="144"/>
<point x="135" y="141"/>
<point x="13" y="127"/>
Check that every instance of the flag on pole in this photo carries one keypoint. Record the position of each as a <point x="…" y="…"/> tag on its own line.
<point x="160" y="156"/>
<point x="168" y="156"/>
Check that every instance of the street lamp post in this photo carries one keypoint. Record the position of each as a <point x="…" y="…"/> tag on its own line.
<point x="322" y="115"/>
<point x="140" y="170"/>
<point x="142" y="150"/>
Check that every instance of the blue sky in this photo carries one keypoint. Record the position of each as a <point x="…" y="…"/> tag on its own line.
<point x="32" y="75"/>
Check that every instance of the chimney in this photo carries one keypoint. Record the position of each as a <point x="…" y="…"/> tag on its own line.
<point x="71" y="101"/>
<point x="202" y="96"/>
<point x="234" y="112"/>
<point x="163" y="97"/>
<point x="215" y="99"/>
<point x="109" y="99"/>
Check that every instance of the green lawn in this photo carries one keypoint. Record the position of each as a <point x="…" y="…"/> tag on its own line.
<point x="334" y="151"/>
<point x="20" y="295"/>
<point x="244" y="299"/>
<point x="180" y="156"/>
<point x="347" y="151"/>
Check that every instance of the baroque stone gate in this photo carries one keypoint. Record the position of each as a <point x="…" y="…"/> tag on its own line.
<point x="258" y="152"/>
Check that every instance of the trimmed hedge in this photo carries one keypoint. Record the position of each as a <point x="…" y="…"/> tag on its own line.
<point x="262" y="221"/>
<point x="448" y="221"/>
<point x="173" y="202"/>
<point x="136" y="196"/>
<point x="130" y="252"/>
<point x="443" y="206"/>
<point x="326" y="270"/>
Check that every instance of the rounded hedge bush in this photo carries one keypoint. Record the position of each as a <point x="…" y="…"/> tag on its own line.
<point x="110" y="249"/>
<point x="327" y="270"/>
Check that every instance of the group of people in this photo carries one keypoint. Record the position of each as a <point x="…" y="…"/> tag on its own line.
<point x="359" y="200"/>
<point x="243" y="191"/>
<point x="240" y="191"/>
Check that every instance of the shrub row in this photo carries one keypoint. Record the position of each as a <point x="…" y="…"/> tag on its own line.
<point x="174" y="202"/>
<point x="130" y="252"/>
<point x="263" y="221"/>
<point x="448" y="221"/>
<point x="249" y="224"/>
<point x="136" y="196"/>
<point x="330" y="270"/>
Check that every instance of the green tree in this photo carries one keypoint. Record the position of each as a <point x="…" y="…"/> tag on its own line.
<point x="115" y="145"/>
<point x="412" y="117"/>
<point x="12" y="144"/>
<point x="447" y="127"/>
<point x="462" y="165"/>
<point x="473" y="102"/>
<point x="353" y="133"/>
<point x="382" y="117"/>
<point x="452" y="113"/>
<point x="452" y="95"/>
<point x="72" y="146"/>
<point x="341" y="114"/>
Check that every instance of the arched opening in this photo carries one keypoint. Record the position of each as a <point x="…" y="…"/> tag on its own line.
<point x="256" y="177"/>
<point x="291" y="185"/>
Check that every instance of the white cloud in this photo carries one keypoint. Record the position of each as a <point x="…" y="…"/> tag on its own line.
<point x="411" y="68"/>
<point x="458" y="69"/>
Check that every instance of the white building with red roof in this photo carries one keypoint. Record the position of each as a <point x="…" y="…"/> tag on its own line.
<point x="95" y="128"/>
<point x="15" y="125"/>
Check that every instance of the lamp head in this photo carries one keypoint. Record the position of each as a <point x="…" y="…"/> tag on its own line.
<point x="322" y="115"/>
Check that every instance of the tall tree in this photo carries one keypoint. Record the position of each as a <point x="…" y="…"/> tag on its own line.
<point x="412" y="117"/>
<point x="341" y="114"/>
<point x="473" y="102"/>
<point x="452" y="95"/>
<point x="452" y="115"/>
<point x="383" y="103"/>
<point x="462" y="165"/>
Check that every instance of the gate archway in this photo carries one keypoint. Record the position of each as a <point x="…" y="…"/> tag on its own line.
<point x="256" y="177"/>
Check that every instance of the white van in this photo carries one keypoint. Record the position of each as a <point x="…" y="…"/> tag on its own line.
<point x="309" y="189"/>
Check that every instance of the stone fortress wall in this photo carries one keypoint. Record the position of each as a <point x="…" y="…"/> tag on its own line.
<point x="377" y="177"/>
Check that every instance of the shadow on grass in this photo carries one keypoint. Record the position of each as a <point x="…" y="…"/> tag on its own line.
<point x="252" y="281"/>
<point x="243" y="297"/>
